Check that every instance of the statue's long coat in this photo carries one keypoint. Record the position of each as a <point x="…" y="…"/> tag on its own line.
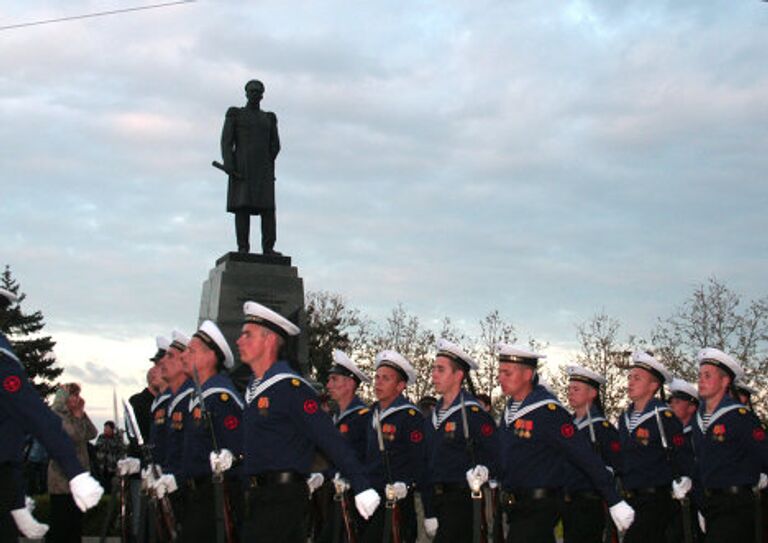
<point x="249" y="145"/>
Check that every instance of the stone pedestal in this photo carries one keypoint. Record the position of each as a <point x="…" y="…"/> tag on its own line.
<point x="268" y="280"/>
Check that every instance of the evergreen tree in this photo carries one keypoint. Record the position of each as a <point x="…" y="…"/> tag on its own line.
<point x="24" y="332"/>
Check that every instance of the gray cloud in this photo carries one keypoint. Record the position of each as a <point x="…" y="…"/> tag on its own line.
<point x="547" y="160"/>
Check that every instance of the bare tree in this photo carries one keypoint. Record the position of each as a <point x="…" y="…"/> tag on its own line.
<point x="332" y="324"/>
<point x="714" y="316"/>
<point x="405" y="333"/>
<point x="493" y="329"/>
<point x="603" y="352"/>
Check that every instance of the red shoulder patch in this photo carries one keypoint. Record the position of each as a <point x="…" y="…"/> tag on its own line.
<point x="615" y="447"/>
<point x="678" y="440"/>
<point x="567" y="430"/>
<point x="231" y="422"/>
<point x="310" y="407"/>
<point x="416" y="436"/>
<point x="486" y="429"/>
<point x="758" y="434"/>
<point x="12" y="383"/>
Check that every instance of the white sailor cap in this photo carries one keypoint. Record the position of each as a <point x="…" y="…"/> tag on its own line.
<point x="744" y="388"/>
<point x="683" y="390"/>
<point x="580" y="373"/>
<point x="179" y="341"/>
<point x="396" y="361"/>
<point x="517" y="355"/>
<point x="455" y="353"/>
<point x="163" y="343"/>
<point x="723" y="361"/>
<point x="256" y="313"/>
<point x="642" y="360"/>
<point x="343" y="365"/>
<point x="8" y="295"/>
<point x="212" y="337"/>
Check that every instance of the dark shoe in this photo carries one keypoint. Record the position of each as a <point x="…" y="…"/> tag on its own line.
<point x="272" y="252"/>
<point x="245" y="249"/>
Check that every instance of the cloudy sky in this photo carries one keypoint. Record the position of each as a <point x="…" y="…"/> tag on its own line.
<point x="549" y="159"/>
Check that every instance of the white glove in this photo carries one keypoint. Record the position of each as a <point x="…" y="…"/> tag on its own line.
<point x="702" y="524"/>
<point x="396" y="491"/>
<point x="86" y="491"/>
<point x="623" y="515"/>
<point x="27" y="524"/>
<point x="30" y="504"/>
<point x="476" y="477"/>
<point x="681" y="487"/>
<point x="493" y="484"/>
<point x="366" y="502"/>
<point x="166" y="484"/>
<point x="221" y="461"/>
<point x="314" y="481"/>
<point x="430" y="526"/>
<point x="763" y="482"/>
<point x="128" y="466"/>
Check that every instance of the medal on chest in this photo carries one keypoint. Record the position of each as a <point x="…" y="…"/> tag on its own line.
<point x="263" y="406"/>
<point x="523" y="428"/>
<point x="388" y="431"/>
<point x="160" y="417"/>
<point x="718" y="432"/>
<point x="643" y="436"/>
<point x="450" y="430"/>
<point x="177" y="420"/>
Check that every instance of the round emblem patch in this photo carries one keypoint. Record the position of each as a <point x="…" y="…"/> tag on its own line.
<point x="416" y="436"/>
<point x="231" y="422"/>
<point x="567" y="430"/>
<point x="310" y="407"/>
<point x="551" y="406"/>
<point x="615" y="447"/>
<point x="678" y="440"/>
<point x="12" y="383"/>
<point x="758" y="434"/>
<point x="486" y="429"/>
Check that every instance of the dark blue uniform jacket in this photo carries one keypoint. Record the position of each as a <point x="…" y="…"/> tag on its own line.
<point x="538" y="441"/>
<point x="283" y="424"/>
<point x="606" y="444"/>
<point x="225" y="410"/>
<point x="645" y="462"/>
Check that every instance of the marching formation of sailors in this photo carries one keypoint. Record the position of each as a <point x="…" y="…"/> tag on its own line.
<point x="220" y="466"/>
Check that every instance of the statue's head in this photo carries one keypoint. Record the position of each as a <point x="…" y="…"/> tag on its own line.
<point x="254" y="90"/>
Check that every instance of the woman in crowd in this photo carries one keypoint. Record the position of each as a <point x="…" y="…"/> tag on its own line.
<point x="66" y="518"/>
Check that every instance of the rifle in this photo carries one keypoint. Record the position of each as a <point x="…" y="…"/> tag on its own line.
<point x="118" y="489"/>
<point x="224" y="525"/>
<point x="609" y="534"/>
<point x="685" y="503"/>
<point x="161" y="507"/>
<point x="229" y="171"/>
<point x="340" y="499"/>
<point x="478" y="526"/>
<point x="391" y="517"/>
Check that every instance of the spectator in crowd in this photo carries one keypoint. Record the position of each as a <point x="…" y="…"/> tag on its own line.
<point x="109" y="449"/>
<point x="66" y="518"/>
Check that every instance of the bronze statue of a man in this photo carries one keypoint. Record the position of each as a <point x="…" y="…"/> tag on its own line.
<point x="249" y="147"/>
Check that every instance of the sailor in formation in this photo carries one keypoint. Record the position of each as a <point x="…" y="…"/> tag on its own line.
<point x="463" y="450"/>
<point x="584" y="518"/>
<point x="705" y="457"/>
